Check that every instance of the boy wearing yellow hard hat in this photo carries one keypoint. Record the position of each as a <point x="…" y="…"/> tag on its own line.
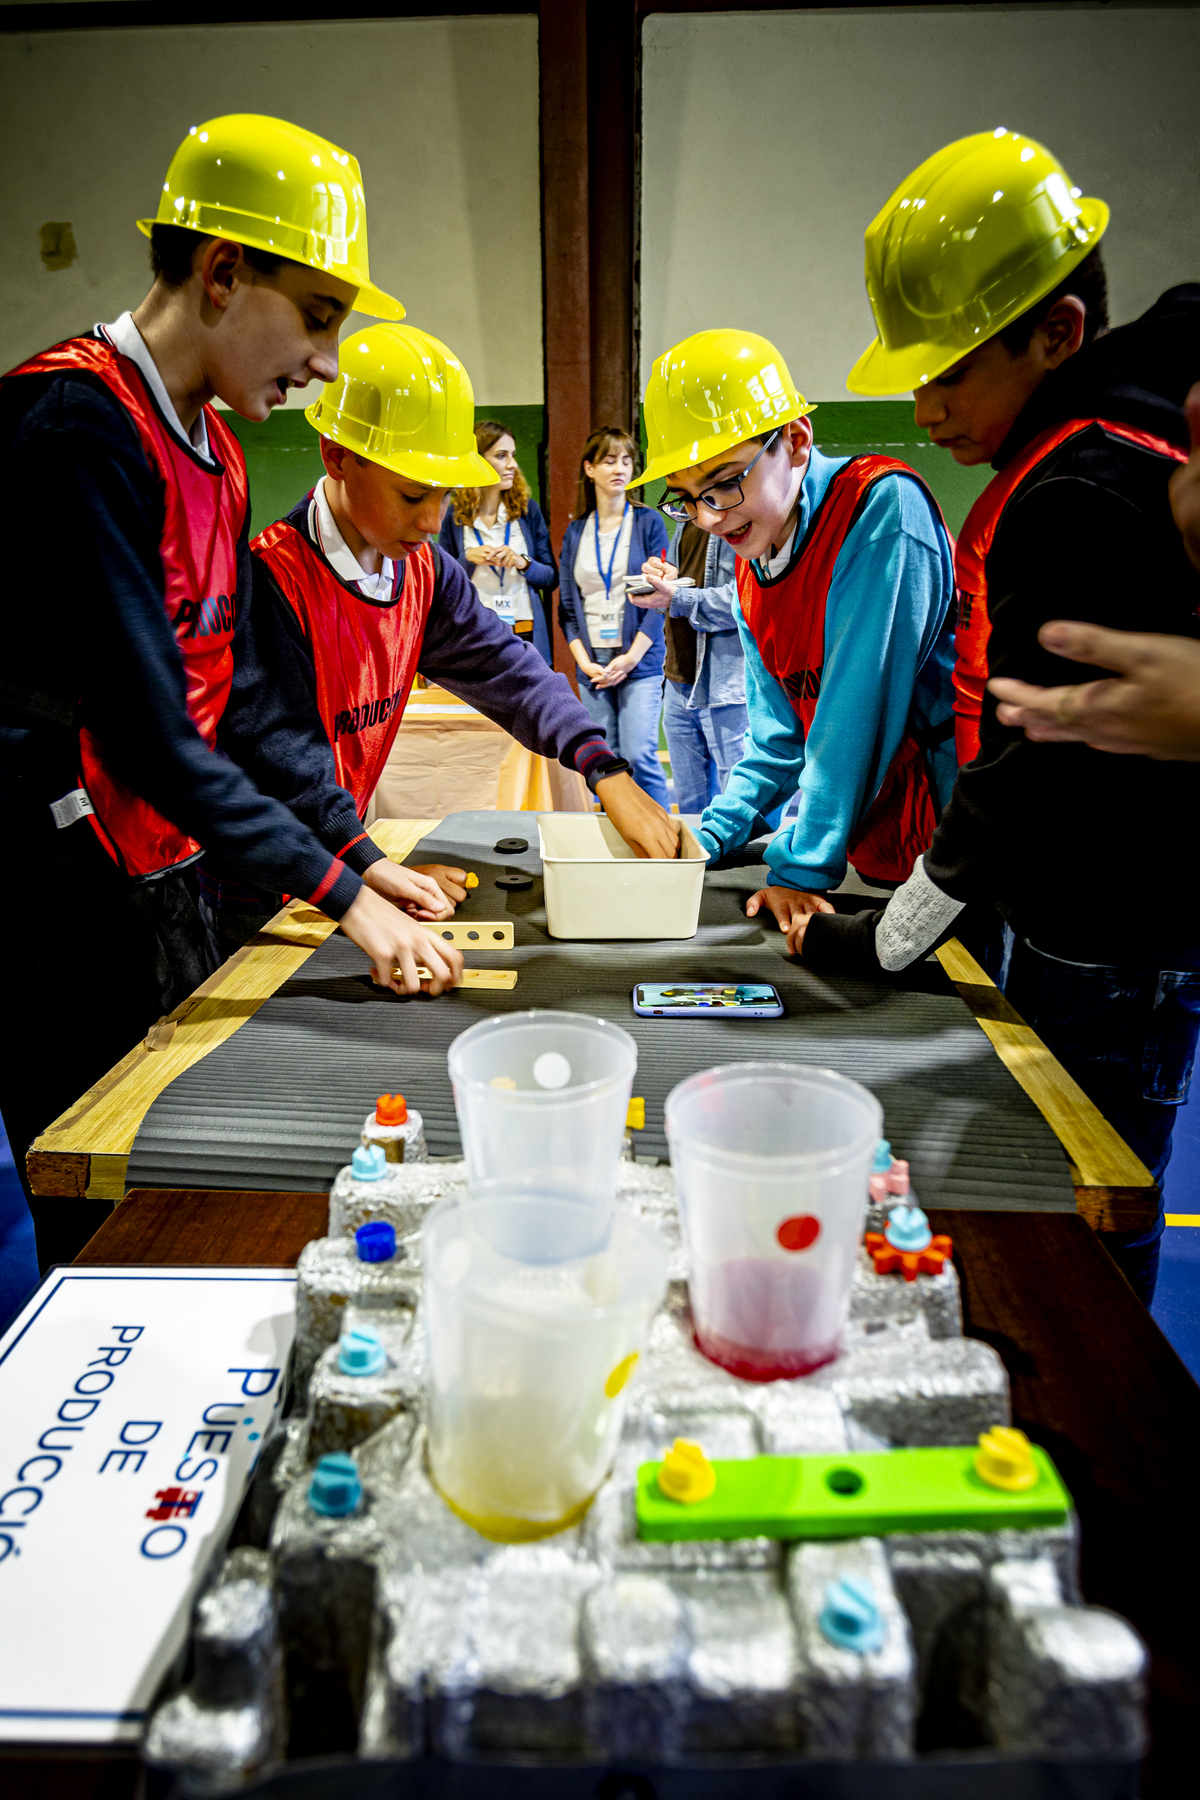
<point x="126" y="577"/>
<point x="353" y="597"/>
<point x="844" y="591"/>
<point x="989" y="298"/>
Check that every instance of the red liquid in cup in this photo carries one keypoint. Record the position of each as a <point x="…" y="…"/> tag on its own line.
<point x="762" y="1319"/>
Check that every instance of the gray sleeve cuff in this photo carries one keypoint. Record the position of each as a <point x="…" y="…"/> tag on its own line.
<point x="914" y="919"/>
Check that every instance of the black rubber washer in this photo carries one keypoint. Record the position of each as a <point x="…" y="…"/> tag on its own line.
<point x="515" y="883"/>
<point x="511" y="846"/>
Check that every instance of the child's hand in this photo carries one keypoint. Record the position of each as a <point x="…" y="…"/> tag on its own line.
<point x="413" y="890"/>
<point x="792" y="909"/>
<point x="452" y="883"/>
<point x="396" y="946"/>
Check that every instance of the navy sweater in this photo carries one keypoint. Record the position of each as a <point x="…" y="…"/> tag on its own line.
<point x="541" y="575"/>
<point x="87" y="640"/>
<point x="648" y="538"/>
<point x="273" y="728"/>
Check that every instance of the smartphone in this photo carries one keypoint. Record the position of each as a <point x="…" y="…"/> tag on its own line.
<point x="704" y="999"/>
<point x="644" y="587"/>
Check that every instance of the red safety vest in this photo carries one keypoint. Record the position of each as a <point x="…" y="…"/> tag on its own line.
<point x="365" y="656"/>
<point x="970" y="565"/>
<point x="204" y="510"/>
<point x="787" y="621"/>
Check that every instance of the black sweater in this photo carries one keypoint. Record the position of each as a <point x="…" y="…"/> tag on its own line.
<point x="1071" y="843"/>
<point x="86" y="634"/>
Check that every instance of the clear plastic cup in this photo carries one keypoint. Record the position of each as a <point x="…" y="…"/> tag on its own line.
<point x="545" y="1094"/>
<point x="528" y="1361"/>
<point x="771" y="1163"/>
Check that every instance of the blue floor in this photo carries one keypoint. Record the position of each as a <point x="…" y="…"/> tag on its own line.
<point x="1177" y="1301"/>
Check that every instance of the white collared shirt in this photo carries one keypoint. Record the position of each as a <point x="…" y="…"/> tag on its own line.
<point x="124" y="336"/>
<point x="338" y="554"/>
<point x="503" y="590"/>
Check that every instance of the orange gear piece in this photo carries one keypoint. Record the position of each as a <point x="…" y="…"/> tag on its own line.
<point x="911" y="1263"/>
<point x="390" y="1109"/>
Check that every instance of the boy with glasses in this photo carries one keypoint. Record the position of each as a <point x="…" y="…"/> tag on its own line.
<point x="844" y="590"/>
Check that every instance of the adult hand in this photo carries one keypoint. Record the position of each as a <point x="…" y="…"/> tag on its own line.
<point x="642" y="822"/>
<point x="662" y="576"/>
<point x="792" y="909"/>
<point x="452" y="883"/>
<point x="484" y="553"/>
<point x="616" y="671"/>
<point x="395" y="945"/>
<point x="1185" y="484"/>
<point x="1154" y="711"/>
<point x="411" y="889"/>
<point x="505" y="557"/>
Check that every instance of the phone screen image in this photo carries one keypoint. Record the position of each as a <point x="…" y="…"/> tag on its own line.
<point x="697" y="997"/>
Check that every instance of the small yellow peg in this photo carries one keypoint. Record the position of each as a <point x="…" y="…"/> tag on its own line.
<point x="686" y="1473"/>
<point x="471" y="880"/>
<point x="1005" y="1459"/>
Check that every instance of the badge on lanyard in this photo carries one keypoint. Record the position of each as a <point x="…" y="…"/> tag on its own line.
<point x="610" y="617"/>
<point x="503" y="604"/>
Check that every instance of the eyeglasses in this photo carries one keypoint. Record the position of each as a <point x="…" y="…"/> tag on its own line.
<point x="722" y="498"/>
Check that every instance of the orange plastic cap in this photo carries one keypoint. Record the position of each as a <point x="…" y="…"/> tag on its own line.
<point x="391" y="1109"/>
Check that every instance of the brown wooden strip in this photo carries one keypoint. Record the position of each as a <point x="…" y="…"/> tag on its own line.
<point x="209" y="1227"/>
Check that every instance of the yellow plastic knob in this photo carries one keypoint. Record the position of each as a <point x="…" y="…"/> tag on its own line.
<point x="471" y="881"/>
<point x="1005" y="1459"/>
<point x="686" y="1473"/>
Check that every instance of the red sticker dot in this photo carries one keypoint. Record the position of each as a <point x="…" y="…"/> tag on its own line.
<point x="799" y="1232"/>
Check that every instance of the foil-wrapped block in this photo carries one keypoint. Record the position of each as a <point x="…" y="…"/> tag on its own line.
<point x="635" y="1643"/>
<point x="610" y="1532"/>
<point x="1062" y="1680"/>
<point x="345" y="1410"/>
<point x="227" y="1726"/>
<point x="401" y="1197"/>
<point x="330" y="1277"/>
<point x="901" y="1387"/>
<point x="851" y="1703"/>
<point x="742" y="1663"/>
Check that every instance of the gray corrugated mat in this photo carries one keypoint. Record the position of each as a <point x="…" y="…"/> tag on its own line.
<point x="280" y="1104"/>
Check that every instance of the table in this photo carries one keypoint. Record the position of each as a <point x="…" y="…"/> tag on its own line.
<point x="449" y="757"/>
<point x="1093" y="1381"/>
<point x="85" y="1152"/>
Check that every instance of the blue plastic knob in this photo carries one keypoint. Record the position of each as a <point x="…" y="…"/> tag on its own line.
<point x="335" y="1489"/>
<point x="368" y="1163"/>
<point x="375" y="1241"/>
<point x="850" y="1618"/>
<point x="361" y="1352"/>
<point x="883" y="1158"/>
<point x="907" y="1227"/>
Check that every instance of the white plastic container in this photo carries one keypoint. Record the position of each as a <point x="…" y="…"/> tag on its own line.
<point x="771" y="1162"/>
<point x="597" y="887"/>
<point x="544" y="1095"/>
<point x="529" y="1361"/>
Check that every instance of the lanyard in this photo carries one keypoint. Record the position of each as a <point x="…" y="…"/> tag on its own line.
<point x="606" y="575"/>
<point x="479" y="540"/>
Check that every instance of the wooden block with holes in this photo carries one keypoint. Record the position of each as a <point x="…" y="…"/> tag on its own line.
<point x="476" y="934"/>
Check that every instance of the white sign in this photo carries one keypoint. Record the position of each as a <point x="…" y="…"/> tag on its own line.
<point x="133" y="1407"/>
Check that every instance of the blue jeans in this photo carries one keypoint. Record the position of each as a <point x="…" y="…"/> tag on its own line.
<point x="704" y="742"/>
<point x="1128" y="1036"/>
<point x="628" y="716"/>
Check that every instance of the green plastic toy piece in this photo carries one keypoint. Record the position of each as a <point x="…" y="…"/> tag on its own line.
<point x="865" y="1494"/>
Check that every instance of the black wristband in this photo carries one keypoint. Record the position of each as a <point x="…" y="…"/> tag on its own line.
<point x="616" y="766"/>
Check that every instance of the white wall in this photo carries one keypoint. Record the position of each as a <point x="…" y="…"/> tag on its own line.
<point x="772" y="139"/>
<point x="441" y="113"/>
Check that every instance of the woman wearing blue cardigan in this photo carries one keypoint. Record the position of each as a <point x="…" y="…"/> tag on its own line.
<point x="618" y="647"/>
<point x="499" y="536"/>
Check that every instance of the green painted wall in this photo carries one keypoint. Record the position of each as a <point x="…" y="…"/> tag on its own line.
<point x="284" y="461"/>
<point x="848" y="427"/>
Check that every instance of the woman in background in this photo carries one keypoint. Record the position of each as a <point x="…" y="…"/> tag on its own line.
<point x="501" y="539"/>
<point x="617" y="646"/>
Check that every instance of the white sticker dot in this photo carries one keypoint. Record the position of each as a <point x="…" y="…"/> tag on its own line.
<point x="551" y="1070"/>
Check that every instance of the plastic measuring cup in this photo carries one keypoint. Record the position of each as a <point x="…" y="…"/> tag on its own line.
<point x="528" y="1361"/>
<point x="771" y="1163"/>
<point x="545" y="1094"/>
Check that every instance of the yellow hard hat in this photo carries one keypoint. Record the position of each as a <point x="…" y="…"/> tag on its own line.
<point x="714" y="390"/>
<point x="403" y="400"/>
<point x="278" y="188"/>
<point x="968" y="243"/>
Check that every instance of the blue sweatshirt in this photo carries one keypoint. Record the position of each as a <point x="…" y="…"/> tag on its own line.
<point x="889" y="657"/>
